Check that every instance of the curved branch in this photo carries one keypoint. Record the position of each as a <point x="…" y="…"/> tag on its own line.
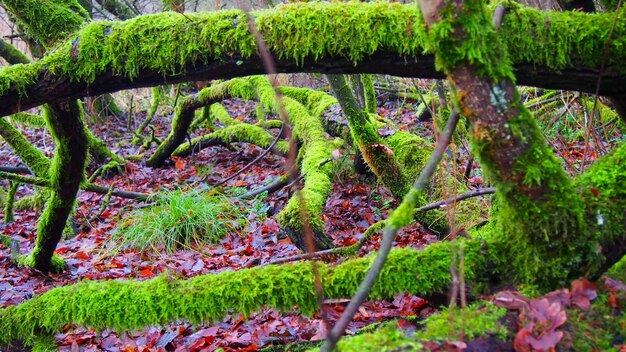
<point x="73" y="72"/>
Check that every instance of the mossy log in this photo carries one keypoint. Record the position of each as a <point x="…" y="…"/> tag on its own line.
<point x="409" y="150"/>
<point x="11" y="54"/>
<point x="235" y="133"/>
<point x="164" y="48"/>
<point x="132" y="305"/>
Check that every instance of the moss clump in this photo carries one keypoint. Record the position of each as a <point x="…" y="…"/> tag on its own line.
<point x="387" y="338"/>
<point x="48" y="21"/>
<point x="458" y="324"/>
<point x="560" y="39"/>
<point x="596" y="329"/>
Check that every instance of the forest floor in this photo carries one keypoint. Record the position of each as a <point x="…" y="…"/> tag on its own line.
<point x="356" y="202"/>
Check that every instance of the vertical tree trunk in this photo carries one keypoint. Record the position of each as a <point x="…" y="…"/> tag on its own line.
<point x="66" y="174"/>
<point x="378" y="156"/>
<point x="540" y="226"/>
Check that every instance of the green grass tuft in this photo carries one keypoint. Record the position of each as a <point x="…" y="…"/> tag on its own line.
<point x="181" y="219"/>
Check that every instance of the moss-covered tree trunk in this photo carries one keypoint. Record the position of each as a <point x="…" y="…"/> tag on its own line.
<point x="377" y="155"/>
<point x="66" y="175"/>
<point x="540" y="213"/>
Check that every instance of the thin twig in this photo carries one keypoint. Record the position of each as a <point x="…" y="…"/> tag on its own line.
<point x="388" y="236"/>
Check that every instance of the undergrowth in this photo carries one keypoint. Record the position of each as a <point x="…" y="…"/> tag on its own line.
<point x="181" y="219"/>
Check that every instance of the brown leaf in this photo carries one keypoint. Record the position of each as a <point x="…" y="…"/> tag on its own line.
<point x="510" y="300"/>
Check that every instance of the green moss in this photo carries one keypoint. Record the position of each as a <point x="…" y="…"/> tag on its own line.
<point x="618" y="270"/>
<point x="377" y="155"/>
<point x="560" y="39"/>
<point x="169" y="42"/>
<point x="240" y="132"/>
<point x="317" y="184"/>
<point x="10" y="202"/>
<point x="476" y="44"/>
<point x="387" y="338"/>
<point x="48" y="21"/>
<point x="596" y="329"/>
<point x="369" y="93"/>
<point x="479" y="319"/>
<point x="28" y="119"/>
<point x="603" y="187"/>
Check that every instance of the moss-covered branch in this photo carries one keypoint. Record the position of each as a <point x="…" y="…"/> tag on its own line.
<point x="36" y="161"/>
<point x="236" y="133"/>
<point x="11" y="54"/>
<point x="185" y="113"/>
<point x="377" y="37"/>
<point x="133" y="305"/>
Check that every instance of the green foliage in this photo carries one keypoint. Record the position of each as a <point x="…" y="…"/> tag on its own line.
<point x="459" y="324"/>
<point x="180" y="219"/>
<point x="385" y="339"/>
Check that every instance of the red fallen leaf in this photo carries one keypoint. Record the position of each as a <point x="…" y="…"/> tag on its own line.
<point x="82" y="255"/>
<point x="180" y="164"/>
<point x="241" y="183"/>
<point x="614" y="285"/>
<point x="613" y="302"/>
<point x="61" y="250"/>
<point x="128" y="348"/>
<point x="146" y="273"/>
<point x="197" y="345"/>
<point x="583" y="292"/>
<point x="407" y="327"/>
<point x="248" y="250"/>
<point x="594" y="191"/>
<point x="251" y="348"/>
